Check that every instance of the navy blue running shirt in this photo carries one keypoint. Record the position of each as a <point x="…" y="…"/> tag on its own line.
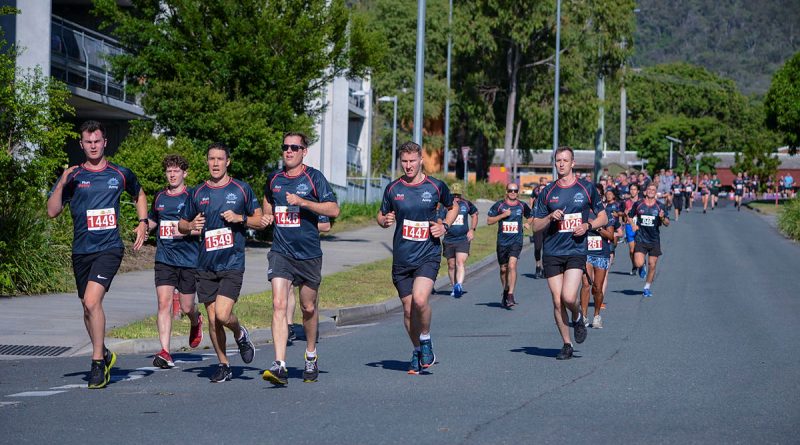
<point x="296" y="233"/>
<point x="578" y="201"/>
<point x="93" y="197"/>
<point x="596" y="244"/>
<point x="458" y="231"/>
<point x="222" y="243"/>
<point x="415" y="206"/>
<point x="172" y="247"/>
<point x="509" y="230"/>
<point x="648" y="221"/>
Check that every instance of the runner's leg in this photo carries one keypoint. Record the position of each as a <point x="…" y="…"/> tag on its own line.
<point x="94" y="317"/>
<point x="598" y="288"/>
<point x="461" y="271"/>
<point x="511" y="274"/>
<point x="308" y="305"/>
<point x="164" y="316"/>
<point x="281" y="293"/>
<point x="217" y="332"/>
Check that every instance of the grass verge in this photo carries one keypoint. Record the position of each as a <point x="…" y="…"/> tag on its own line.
<point x="766" y="208"/>
<point x="363" y="284"/>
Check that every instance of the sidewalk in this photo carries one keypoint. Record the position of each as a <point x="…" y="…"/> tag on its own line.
<point x="57" y="319"/>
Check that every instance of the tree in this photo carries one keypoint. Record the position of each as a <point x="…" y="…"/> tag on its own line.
<point x="239" y="72"/>
<point x="782" y="103"/>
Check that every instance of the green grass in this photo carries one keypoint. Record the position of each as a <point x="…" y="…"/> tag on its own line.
<point x="363" y="284"/>
<point x="789" y="219"/>
<point x="766" y="208"/>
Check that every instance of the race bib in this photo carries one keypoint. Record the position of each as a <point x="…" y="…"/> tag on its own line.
<point x="101" y="219"/>
<point x="219" y="239"/>
<point x="647" y="220"/>
<point x="169" y="230"/>
<point x="510" y="227"/>
<point x="594" y="243"/>
<point x="416" y="230"/>
<point x="570" y="222"/>
<point x="738" y="186"/>
<point x="287" y="216"/>
<point x="459" y="220"/>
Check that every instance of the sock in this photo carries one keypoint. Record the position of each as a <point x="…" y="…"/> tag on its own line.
<point x="311" y="354"/>
<point x="424" y="337"/>
<point x="647" y="285"/>
<point x="281" y="363"/>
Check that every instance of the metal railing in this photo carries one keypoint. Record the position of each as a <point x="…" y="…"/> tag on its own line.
<point x="79" y="57"/>
<point x="353" y="86"/>
<point x="354" y="159"/>
<point x="355" y="191"/>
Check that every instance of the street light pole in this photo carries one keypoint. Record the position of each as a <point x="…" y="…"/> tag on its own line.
<point x="555" y="100"/>
<point x="420" y="73"/>
<point x="447" y="100"/>
<point x="394" y="131"/>
<point x="671" y="140"/>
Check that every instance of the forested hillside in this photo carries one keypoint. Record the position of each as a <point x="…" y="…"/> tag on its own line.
<point x="743" y="40"/>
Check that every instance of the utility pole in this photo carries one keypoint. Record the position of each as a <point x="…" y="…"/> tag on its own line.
<point x="420" y="73"/>
<point x="447" y="100"/>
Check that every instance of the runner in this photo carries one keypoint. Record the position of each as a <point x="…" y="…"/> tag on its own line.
<point x="411" y="201"/>
<point x="458" y="238"/>
<point x="513" y="215"/>
<point x="222" y="209"/>
<point x="630" y="233"/>
<point x="705" y="190"/>
<point x="93" y="191"/>
<point x="176" y="259"/>
<point x="650" y="215"/>
<point x="294" y="199"/>
<point x="677" y="196"/>
<point x="563" y="213"/>
<point x="715" y="183"/>
<point x="613" y="213"/>
<point x="688" y="193"/>
<point x="538" y="237"/>
<point x="738" y="191"/>
<point x="598" y="261"/>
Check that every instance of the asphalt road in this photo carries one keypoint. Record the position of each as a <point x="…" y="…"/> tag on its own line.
<point x="711" y="358"/>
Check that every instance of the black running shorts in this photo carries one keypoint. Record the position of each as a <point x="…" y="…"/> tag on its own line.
<point x="99" y="267"/>
<point x="506" y="252"/>
<point x="403" y="276"/>
<point x="211" y="284"/>
<point x="557" y="265"/>
<point x="181" y="278"/>
<point x="450" y="249"/>
<point x="648" y="249"/>
<point x="299" y="272"/>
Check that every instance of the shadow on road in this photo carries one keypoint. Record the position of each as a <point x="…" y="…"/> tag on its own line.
<point x="533" y="350"/>
<point x="392" y="365"/>
<point x="493" y="304"/>
<point x="208" y="371"/>
<point x="628" y="292"/>
<point x="117" y="374"/>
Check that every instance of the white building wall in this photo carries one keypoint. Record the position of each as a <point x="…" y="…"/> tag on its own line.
<point x="32" y="35"/>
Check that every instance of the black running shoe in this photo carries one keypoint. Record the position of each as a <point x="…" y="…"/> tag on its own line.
<point x="276" y="374"/>
<point x="580" y="330"/>
<point x="565" y="353"/>
<point x="510" y="300"/>
<point x="223" y="374"/>
<point x="633" y="271"/>
<point x="109" y="359"/>
<point x="97" y="375"/>
<point x="504" y="300"/>
<point x="292" y="335"/>
<point x="246" y="348"/>
<point x="311" y="370"/>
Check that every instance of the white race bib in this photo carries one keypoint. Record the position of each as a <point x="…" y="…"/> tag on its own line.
<point x="595" y="243"/>
<point x="219" y="239"/>
<point x="287" y="216"/>
<point x="169" y="230"/>
<point x="416" y="230"/>
<point x="570" y="222"/>
<point x="738" y="186"/>
<point x="647" y="220"/>
<point x="510" y="227"/>
<point x="101" y="219"/>
<point x="459" y="220"/>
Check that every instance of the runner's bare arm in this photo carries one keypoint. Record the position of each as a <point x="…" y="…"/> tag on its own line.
<point x="385" y="220"/>
<point x="329" y="209"/>
<point x="542" y="223"/>
<point x="54" y="205"/>
<point x="141" y="211"/>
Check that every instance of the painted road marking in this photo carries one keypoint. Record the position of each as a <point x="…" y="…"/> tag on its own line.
<point x="35" y="394"/>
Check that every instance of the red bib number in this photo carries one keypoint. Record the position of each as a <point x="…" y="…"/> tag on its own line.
<point x="570" y="222"/>
<point x="287" y="216"/>
<point x="416" y="230"/>
<point x="219" y="239"/>
<point x="459" y="220"/>
<point x="510" y="227"/>
<point x="594" y="243"/>
<point x="169" y="230"/>
<point x="101" y="219"/>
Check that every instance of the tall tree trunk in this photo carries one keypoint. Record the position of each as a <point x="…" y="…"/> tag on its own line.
<point x="513" y="70"/>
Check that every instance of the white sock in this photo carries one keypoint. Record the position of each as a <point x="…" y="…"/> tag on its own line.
<point x="425" y="336"/>
<point x="281" y="363"/>
<point x="647" y="285"/>
<point x="311" y="354"/>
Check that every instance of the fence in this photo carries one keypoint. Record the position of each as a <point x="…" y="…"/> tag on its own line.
<point x="355" y="189"/>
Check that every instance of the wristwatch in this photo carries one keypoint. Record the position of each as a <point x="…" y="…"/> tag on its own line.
<point x="143" y="220"/>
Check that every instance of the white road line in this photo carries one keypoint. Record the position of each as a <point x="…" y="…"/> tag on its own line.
<point x="35" y="394"/>
<point x="72" y="386"/>
<point x="2" y="404"/>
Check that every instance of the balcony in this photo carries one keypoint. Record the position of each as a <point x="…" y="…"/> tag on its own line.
<point x="354" y="160"/>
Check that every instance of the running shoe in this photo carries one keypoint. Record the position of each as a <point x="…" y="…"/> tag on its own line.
<point x="458" y="291"/>
<point x="504" y="301"/>
<point x="414" y="366"/>
<point x="246" y="348"/>
<point x="597" y="322"/>
<point x="109" y="359"/>
<point x="453" y="292"/>
<point x="196" y="332"/>
<point x="223" y="374"/>
<point x="633" y="271"/>
<point x="565" y="353"/>
<point x="580" y="330"/>
<point x="311" y="371"/>
<point x="643" y="272"/>
<point x="585" y="321"/>
<point x="511" y="301"/>
<point x="426" y="356"/>
<point x="277" y="374"/>
<point x="163" y="360"/>
<point x="97" y="377"/>
<point x="292" y="335"/>
<point x="647" y="293"/>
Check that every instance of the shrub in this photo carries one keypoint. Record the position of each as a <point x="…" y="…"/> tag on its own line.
<point x="789" y="219"/>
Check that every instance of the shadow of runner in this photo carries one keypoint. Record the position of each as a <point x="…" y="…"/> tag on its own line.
<point x="628" y="292"/>
<point x="117" y="374"/>
<point x="493" y="304"/>
<point x="533" y="350"/>
<point x="391" y="365"/>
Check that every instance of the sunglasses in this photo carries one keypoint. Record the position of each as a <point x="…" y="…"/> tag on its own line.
<point x="293" y="147"/>
<point x="512" y="190"/>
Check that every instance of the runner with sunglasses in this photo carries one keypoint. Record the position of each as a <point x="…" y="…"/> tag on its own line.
<point x="513" y="216"/>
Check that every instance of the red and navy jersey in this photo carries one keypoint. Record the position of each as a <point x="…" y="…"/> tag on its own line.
<point x="415" y="207"/>
<point x="172" y="247"/>
<point x="93" y="197"/>
<point x="296" y="233"/>
<point x="509" y="230"/>
<point x="676" y="187"/>
<point x="458" y="230"/>
<point x="738" y="186"/>
<point x="648" y="221"/>
<point x="623" y="189"/>
<point x="222" y="243"/>
<point x="578" y="201"/>
<point x="596" y="244"/>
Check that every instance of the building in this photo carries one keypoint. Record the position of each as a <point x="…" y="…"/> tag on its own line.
<point x="788" y="164"/>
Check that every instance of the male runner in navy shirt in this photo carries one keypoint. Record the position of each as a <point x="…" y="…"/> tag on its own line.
<point x="411" y="201"/>
<point x="222" y="208"/>
<point x="563" y="210"/>
<point x="513" y="216"/>
<point x="294" y="199"/>
<point x="176" y="259"/>
<point x="93" y="190"/>
<point x="650" y="216"/>
<point x="456" y="242"/>
<point x="738" y="190"/>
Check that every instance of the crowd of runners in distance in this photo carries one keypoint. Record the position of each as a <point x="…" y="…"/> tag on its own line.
<point x="200" y="240"/>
